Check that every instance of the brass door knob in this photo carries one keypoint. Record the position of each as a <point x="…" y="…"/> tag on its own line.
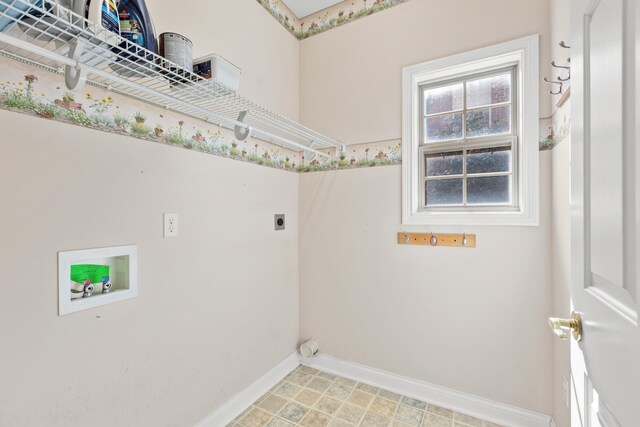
<point x="560" y="327"/>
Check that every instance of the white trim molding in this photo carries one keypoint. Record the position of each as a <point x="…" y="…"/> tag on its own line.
<point x="523" y="52"/>
<point x="243" y="400"/>
<point x="461" y="402"/>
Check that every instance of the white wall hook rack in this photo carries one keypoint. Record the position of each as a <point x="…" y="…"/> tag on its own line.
<point x="52" y="37"/>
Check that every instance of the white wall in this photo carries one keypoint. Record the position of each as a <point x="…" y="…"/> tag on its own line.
<point x="470" y="319"/>
<point x="560" y="272"/>
<point x="561" y="217"/>
<point x="474" y="320"/>
<point x="350" y="76"/>
<point x="217" y="306"/>
<point x="246" y="35"/>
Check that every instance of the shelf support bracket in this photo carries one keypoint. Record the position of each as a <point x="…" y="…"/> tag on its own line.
<point x="311" y="155"/>
<point x="75" y="77"/>
<point x="242" y="133"/>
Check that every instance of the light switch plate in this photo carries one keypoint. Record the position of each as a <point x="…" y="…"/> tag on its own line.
<point x="170" y="225"/>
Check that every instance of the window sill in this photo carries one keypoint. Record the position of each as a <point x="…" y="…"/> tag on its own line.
<point x="510" y="218"/>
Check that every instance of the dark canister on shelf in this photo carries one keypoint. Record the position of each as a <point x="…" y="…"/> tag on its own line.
<point x="177" y="49"/>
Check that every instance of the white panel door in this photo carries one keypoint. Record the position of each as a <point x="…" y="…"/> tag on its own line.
<point x="605" y="211"/>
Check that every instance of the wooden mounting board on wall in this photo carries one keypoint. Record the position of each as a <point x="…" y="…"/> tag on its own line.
<point x="437" y="239"/>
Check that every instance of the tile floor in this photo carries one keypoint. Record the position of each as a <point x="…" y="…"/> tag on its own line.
<point x="311" y="398"/>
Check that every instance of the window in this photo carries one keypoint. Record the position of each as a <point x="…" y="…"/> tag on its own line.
<point x="469" y="133"/>
<point x="470" y="137"/>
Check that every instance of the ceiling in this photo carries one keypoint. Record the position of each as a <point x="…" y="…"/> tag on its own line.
<point x="303" y="8"/>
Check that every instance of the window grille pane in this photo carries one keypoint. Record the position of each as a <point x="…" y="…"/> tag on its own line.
<point x="443" y="192"/>
<point x="443" y="99"/>
<point x="443" y="128"/>
<point x="488" y="190"/>
<point x="488" y="91"/>
<point x="440" y="164"/>
<point x="489" y="160"/>
<point x="489" y="121"/>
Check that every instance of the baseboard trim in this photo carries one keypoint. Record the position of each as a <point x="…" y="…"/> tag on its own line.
<point x="462" y="402"/>
<point x="237" y="404"/>
<point x="486" y="409"/>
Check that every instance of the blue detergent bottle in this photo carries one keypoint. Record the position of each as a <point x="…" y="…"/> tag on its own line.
<point x="136" y="25"/>
<point x="103" y="13"/>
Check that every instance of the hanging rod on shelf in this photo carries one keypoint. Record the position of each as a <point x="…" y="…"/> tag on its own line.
<point x="55" y="38"/>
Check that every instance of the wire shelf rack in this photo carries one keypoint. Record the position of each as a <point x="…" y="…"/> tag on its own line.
<point x="46" y="34"/>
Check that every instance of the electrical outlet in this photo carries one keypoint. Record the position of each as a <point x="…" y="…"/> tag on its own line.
<point x="170" y="225"/>
<point x="278" y="222"/>
<point x="565" y="391"/>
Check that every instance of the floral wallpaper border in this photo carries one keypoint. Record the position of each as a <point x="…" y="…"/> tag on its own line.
<point x="332" y="17"/>
<point x="557" y="127"/>
<point x="31" y="91"/>
<point x="38" y="94"/>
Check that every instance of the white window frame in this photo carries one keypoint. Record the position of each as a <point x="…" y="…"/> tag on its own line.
<point x="467" y="143"/>
<point x="524" y="53"/>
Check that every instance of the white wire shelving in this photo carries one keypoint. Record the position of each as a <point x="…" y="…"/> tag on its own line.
<point x="45" y="34"/>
